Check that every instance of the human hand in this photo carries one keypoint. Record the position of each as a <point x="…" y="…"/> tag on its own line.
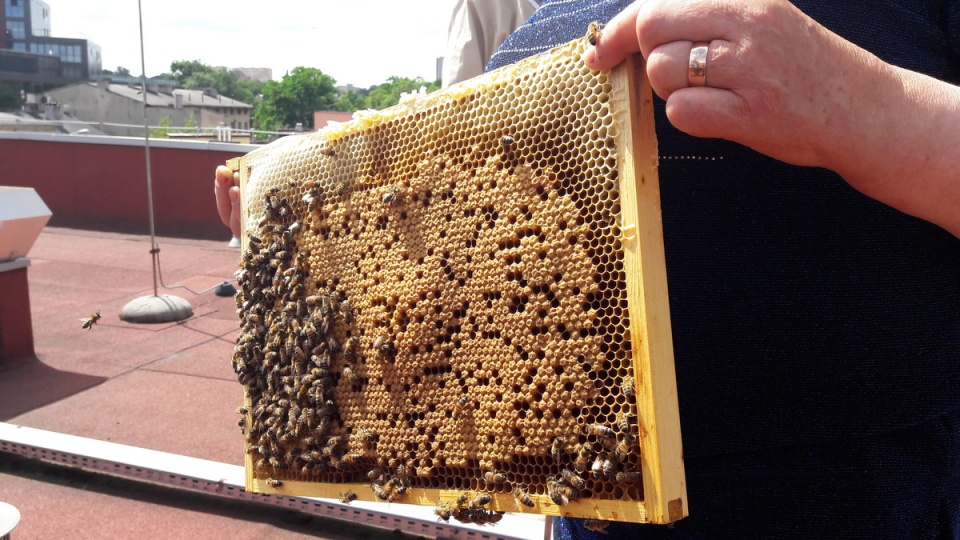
<point x="779" y="82"/>
<point x="776" y="80"/>
<point x="227" y="191"/>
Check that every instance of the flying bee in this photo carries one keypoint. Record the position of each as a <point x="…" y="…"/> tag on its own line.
<point x="556" y="448"/>
<point x="347" y="497"/>
<point x="596" y="525"/>
<point x="392" y="195"/>
<point x="582" y="463"/>
<point x="494" y="477"/>
<point x="480" y="501"/>
<point x="628" y="477"/>
<point x="599" y="430"/>
<point x="88" y="322"/>
<point x="625" y="447"/>
<point x="329" y="152"/>
<point x="523" y="497"/>
<point x="274" y="483"/>
<point x="594" y="30"/>
<point x="627" y="387"/>
<point x="571" y="478"/>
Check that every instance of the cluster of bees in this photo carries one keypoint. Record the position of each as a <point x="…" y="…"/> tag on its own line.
<point x="469" y="508"/>
<point x="286" y="348"/>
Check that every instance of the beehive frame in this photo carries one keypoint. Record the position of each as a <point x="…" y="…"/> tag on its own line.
<point x="487" y="266"/>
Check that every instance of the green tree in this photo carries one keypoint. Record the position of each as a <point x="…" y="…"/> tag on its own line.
<point x="164" y="130"/>
<point x="388" y="93"/>
<point x="195" y="75"/>
<point x="294" y="99"/>
<point x="351" y="101"/>
<point x="10" y="96"/>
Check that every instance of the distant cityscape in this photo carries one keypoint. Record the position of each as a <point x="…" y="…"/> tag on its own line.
<point x="66" y="89"/>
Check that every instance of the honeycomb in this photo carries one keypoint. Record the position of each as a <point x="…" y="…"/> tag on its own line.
<point x="436" y="307"/>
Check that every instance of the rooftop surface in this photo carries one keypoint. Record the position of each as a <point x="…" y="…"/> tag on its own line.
<point x="166" y="387"/>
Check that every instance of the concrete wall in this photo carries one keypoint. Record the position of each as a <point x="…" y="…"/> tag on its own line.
<point x="100" y="183"/>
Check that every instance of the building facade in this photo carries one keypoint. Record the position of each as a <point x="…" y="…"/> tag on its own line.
<point x="118" y="109"/>
<point x="28" y="48"/>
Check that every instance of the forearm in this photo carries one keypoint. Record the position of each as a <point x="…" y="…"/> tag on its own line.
<point x="901" y="145"/>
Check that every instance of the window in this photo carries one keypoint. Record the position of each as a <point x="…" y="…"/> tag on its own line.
<point x="18" y="29"/>
<point x="14" y="8"/>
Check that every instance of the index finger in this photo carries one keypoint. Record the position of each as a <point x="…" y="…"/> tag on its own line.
<point x="225" y="179"/>
<point x="617" y="40"/>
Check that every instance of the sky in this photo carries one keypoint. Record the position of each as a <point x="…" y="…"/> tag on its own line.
<point x="358" y="42"/>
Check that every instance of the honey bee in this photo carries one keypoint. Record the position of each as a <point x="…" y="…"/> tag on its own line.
<point x="350" y="347"/>
<point x="274" y="483"/>
<point x="242" y="424"/>
<point x="523" y="497"/>
<point x="571" y="478"/>
<point x="243" y="409"/>
<point x="625" y="447"/>
<point x="459" y="407"/>
<point x="347" y="311"/>
<point x="627" y="387"/>
<point x="609" y="468"/>
<point x="628" y="477"/>
<point x="624" y="421"/>
<point x="599" y="430"/>
<point x="494" y="477"/>
<point x="594" y="30"/>
<point x="507" y="141"/>
<point x="383" y="346"/>
<point x="347" y="497"/>
<point x="329" y="152"/>
<point x="351" y="458"/>
<point x="376" y="475"/>
<point x="443" y="511"/>
<point x="582" y="463"/>
<point x="596" y="525"/>
<point x="462" y="499"/>
<point x="381" y="493"/>
<point x="480" y="500"/>
<point x="556" y="448"/>
<point x="392" y="195"/>
<point x="553" y="491"/>
<point x="367" y="436"/>
<point x="351" y="376"/>
<point x="88" y="322"/>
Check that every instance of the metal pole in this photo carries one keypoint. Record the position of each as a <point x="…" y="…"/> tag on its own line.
<point x="146" y="141"/>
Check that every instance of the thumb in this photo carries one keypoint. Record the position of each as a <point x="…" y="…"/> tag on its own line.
<point x="235" y="211"/>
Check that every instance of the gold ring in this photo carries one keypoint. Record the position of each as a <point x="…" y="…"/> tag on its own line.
<point x="697" y="69"/>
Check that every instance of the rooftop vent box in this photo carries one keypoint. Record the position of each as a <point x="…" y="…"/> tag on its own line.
<point x="23" y="215"/>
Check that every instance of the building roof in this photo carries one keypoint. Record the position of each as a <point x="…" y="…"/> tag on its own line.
<point x="189" y="98"/>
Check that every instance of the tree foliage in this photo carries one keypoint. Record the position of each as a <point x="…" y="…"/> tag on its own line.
<point x="388" y="93"/>
<point x="195" y="75"/>
<point x="10" y="96"/>
<point x="294" y="99"/>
